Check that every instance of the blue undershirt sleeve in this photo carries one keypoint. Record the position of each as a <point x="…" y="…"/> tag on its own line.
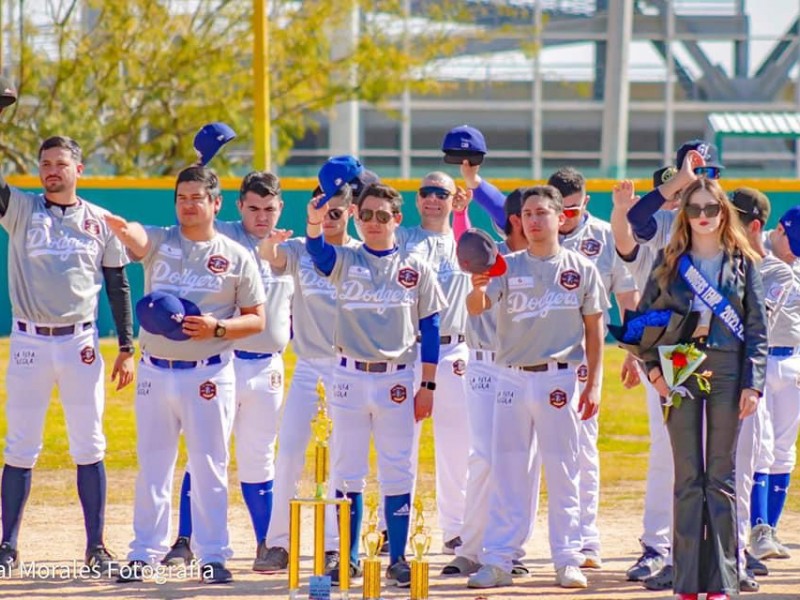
<point x="429" y="342"/>
<point x="323" y="255"/>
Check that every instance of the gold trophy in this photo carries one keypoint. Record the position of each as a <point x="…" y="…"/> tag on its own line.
<point x="321" y="427"/>
<point x="373" y="539"/>
<point x="420" y="544"/>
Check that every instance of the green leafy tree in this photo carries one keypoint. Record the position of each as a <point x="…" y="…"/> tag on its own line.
<point x="133" y="81"/>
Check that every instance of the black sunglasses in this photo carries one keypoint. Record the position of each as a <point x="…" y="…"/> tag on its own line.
<point x="693" y="211"/>
<point x="434" y="190"/>
<point x="708" y="172"/>
<point x="382" y="216"/>
<point x="334" y="214"/>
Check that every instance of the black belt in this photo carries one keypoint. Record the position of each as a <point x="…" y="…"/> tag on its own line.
<point x="165" y="363"/>
<point x="370" y="367"/>
<point x="448" y="339"/>
<point x="55" y="331"/>
<point x="542" y="367"/>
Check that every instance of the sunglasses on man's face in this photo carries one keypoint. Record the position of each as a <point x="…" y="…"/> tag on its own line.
<point x="383" y="216"/>
<point x="693" y="211"/>
<point x="433" y="190"/>
<point x="572" y="211"/>
<point x="707" y="172"/>
<point x="334" y="214"/>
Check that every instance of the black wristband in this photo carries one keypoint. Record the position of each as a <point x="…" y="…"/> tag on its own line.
<point x="428" y="385"/>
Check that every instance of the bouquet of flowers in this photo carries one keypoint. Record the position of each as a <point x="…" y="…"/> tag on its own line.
<point x="678" y="363"/>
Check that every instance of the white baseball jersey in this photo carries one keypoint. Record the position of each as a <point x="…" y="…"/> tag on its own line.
<point x="782" y="297"/>
<point x="379" y="303"/>
<point x="545" y="299"/>
<point x="313" y="304"/>
<point x="482" y="328"/>
<point x="278" y="292"/>
<point x="55" y="258"/>
<point x="594" y="239"/>
<point x="439" y="251"/>
<point x="218" y="275"/>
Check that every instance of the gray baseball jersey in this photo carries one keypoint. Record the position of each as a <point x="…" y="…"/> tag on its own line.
<point x="541" y="305"/>
<point x="641" y="266"/>
<point x="219" y="275"/>
<point x="782" y="297"/>
<point x="594" y="239"/>
<point x="278" y="290"/>
<point x="56" y="258"/>
<point x="664" y="221"/>
<point x="482" y="328"/>
<point x="313" y="303"/>
<point x="439" y="251"/>
<point x="379" y="303"/>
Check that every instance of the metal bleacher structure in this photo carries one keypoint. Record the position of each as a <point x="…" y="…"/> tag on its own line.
<point x="537" y="115"/>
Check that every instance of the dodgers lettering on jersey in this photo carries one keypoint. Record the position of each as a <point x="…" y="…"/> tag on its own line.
<point x="278" y="290"/>
<point x="541" y="303"/>
<point x="218" y="275"/>
<point x="482" y="329"/>
<point x="379" y="303"/>
<point x="594" y="239"/>
<point x="313" y="304"/>
<point x="439" y="250"/>
<point x="782" y="297"/>
<point x="56" y="259"/>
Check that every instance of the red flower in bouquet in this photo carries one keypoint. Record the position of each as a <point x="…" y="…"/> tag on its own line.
<point x="679" y="360"/>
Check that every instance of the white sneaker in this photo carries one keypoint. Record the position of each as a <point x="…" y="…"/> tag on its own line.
<point x="489" y="576"/>
<point x="591" y="560"/>
<point x="762" y="545"/>
<point x="571" y="577"/>
<point x="783" y="551"/>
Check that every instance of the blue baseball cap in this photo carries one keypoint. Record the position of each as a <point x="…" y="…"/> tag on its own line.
<point x="477" y="253"/>
<point x="464" y="142"/>
<point x="706" y="150"/>
<point x="209" y="140"/>
<point x="162" y="313"/>
<point x="791" y="225"/>
<point x="337" y="172"/>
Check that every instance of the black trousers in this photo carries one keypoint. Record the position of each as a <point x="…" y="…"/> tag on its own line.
<point x="704" y="529"/>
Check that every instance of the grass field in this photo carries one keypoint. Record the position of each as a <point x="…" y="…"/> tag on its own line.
<point x="623" y="440"/>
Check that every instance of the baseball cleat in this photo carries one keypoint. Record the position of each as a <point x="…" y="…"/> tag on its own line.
<point x="783" y="551"/>
<point x="260" y="564"/>
<point x="99" y="559"/>
<point x="399" y="574"/>
<point x="132" y="572"/>
<point x="215" y="572"/>
<point x="571" y="577"/>
<point x="649" y="563"/>
<point x="748" y="582"/>
<point x="9" y="559"/>
<point x="333" y="571"/>
<point x="460" y="565"/>
<point x="762" y="545"/>
<point x="489" y="576"/>
<point x="518" y="568"/>
<point x="756" y="566"/>
<point x="661" y="581"/>
<point x="180" y="554"/>
<point x="276" y="560"/>
<point x="450" y="546"/>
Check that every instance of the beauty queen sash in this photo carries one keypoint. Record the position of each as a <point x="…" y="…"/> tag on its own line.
<point x="711" y="297"/>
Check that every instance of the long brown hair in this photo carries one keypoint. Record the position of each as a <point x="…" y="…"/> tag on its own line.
<point x="731" y="234"/>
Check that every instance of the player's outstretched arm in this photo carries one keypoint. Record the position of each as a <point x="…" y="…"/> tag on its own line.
<point x="477" y="300"/>
<point x="623" y="198"/>
<point x="131" y="234"/>
<point x="270" y="248"/>
<point x="488" y="197"/>
<point x="594" y="333"/>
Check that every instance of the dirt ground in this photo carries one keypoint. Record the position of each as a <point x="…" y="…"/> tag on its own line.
<point x="52" y="538"/>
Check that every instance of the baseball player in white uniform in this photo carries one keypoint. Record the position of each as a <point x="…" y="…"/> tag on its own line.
<point x="538" y="389"/>
<point x="258" y="365"/>
<point x="777" y="457"/>
<point x="782" y="302"/>
<point x="60" y="253"/>
<point x="384" y="297"/>
<point x="189" y="385"/>
<point x="314" y="316"/>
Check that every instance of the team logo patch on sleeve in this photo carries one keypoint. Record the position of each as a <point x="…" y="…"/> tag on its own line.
<point x="408" y="277"/>
<point x="459" y="367"/>
<point x="570" y="280"/>
<point x="208" y="390"/>
<point x="218" y="264"/>
<point x="583" y="373"/>
<point x="558" y="398"/>
<point x="398" y="394"/>
<point x="591" y="247"/>
<point x="92" y="227"/>
<point x="275" y="380"/>
<point x="88" y="355"/>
